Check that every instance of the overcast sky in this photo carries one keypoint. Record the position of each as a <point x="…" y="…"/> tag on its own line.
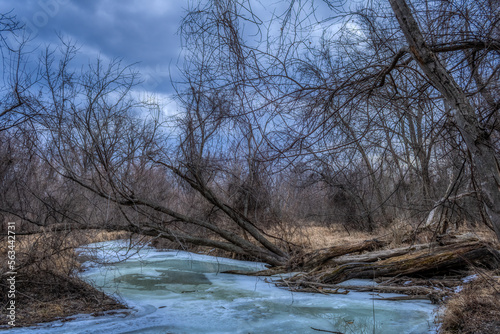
<point x="135" y="30"/>
<point x="139" y="31"/>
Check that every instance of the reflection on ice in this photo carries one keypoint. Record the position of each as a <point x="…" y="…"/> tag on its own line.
<point x="180" y="292"/>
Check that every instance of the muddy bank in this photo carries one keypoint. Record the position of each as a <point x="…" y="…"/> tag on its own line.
<point x="49" y="297"/>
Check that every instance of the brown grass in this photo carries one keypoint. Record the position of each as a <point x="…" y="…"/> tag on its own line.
<point x="47" y="285"/>
<point x="53" y="252"/>
<point x="49" y="297"/>
<point x="311" y="237"/>
<point x="476" y="309"/>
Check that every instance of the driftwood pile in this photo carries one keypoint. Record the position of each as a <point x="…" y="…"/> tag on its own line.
<point x="420" y="271"/>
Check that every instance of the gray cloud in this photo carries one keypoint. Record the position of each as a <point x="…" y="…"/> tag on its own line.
<point x="135" y="30"/>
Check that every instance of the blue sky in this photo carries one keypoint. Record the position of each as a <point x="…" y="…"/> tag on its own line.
<point x="139" y="31"/>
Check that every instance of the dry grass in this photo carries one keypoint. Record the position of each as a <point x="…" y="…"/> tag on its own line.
<point x="311" y="237"/>
<point x="475" y="310"/>
<point x="49" y="297"/>
<point x="46" y="282"/>
<point x="53" y="252"/>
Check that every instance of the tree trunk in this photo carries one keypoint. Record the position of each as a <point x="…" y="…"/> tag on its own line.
<point x="441" y="260"/>
<point x="323" y="256"/>
<point x="477" y="139"/>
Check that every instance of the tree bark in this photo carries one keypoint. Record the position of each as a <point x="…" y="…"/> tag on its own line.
<point x="412" y="292"/>
<point x="323" y="256"/>
<point x="476" y="138"/>
<point x="441" y="260"/>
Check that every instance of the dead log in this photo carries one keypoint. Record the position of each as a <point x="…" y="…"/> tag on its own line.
<point x="438" y="282"/>
<point x="327" y="331"/>
<point x="415" y="292"/>
<point x="439" y="260"/>
<point x="320" y="257"/>
<point x="375" y="256"/>
<point x="266" y="272"/>
<point x="410" y="297"/>
<point x="388" y="253"/>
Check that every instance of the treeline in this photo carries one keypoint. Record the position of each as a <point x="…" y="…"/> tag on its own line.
<point x="363" y="117"/>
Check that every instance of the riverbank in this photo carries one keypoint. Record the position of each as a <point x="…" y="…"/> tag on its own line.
<point x="181" y="292"/>
<point x="475" y="308"/>
<point x="47" y="285"/>
<point x="55" y="297"/>
<point x="50" y="297"/>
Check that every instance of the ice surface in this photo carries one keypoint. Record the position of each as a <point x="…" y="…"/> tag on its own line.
<point x="180" y="292"/>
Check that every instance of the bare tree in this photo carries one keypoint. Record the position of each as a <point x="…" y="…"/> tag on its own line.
<point x="358" y="92"/>
<point x="369" y="110"/>
<point x="476" y="136"/>
<point x="18" y="75"/>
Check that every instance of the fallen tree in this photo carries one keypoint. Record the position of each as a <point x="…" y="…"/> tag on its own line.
<point x="411" y="292"/>
<point x="439" y="260"/>
<point x="422" y="271"/>
<point x="323" y="256"/>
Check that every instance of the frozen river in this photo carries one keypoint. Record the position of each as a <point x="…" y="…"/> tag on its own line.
<point x="180" y="292"/>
